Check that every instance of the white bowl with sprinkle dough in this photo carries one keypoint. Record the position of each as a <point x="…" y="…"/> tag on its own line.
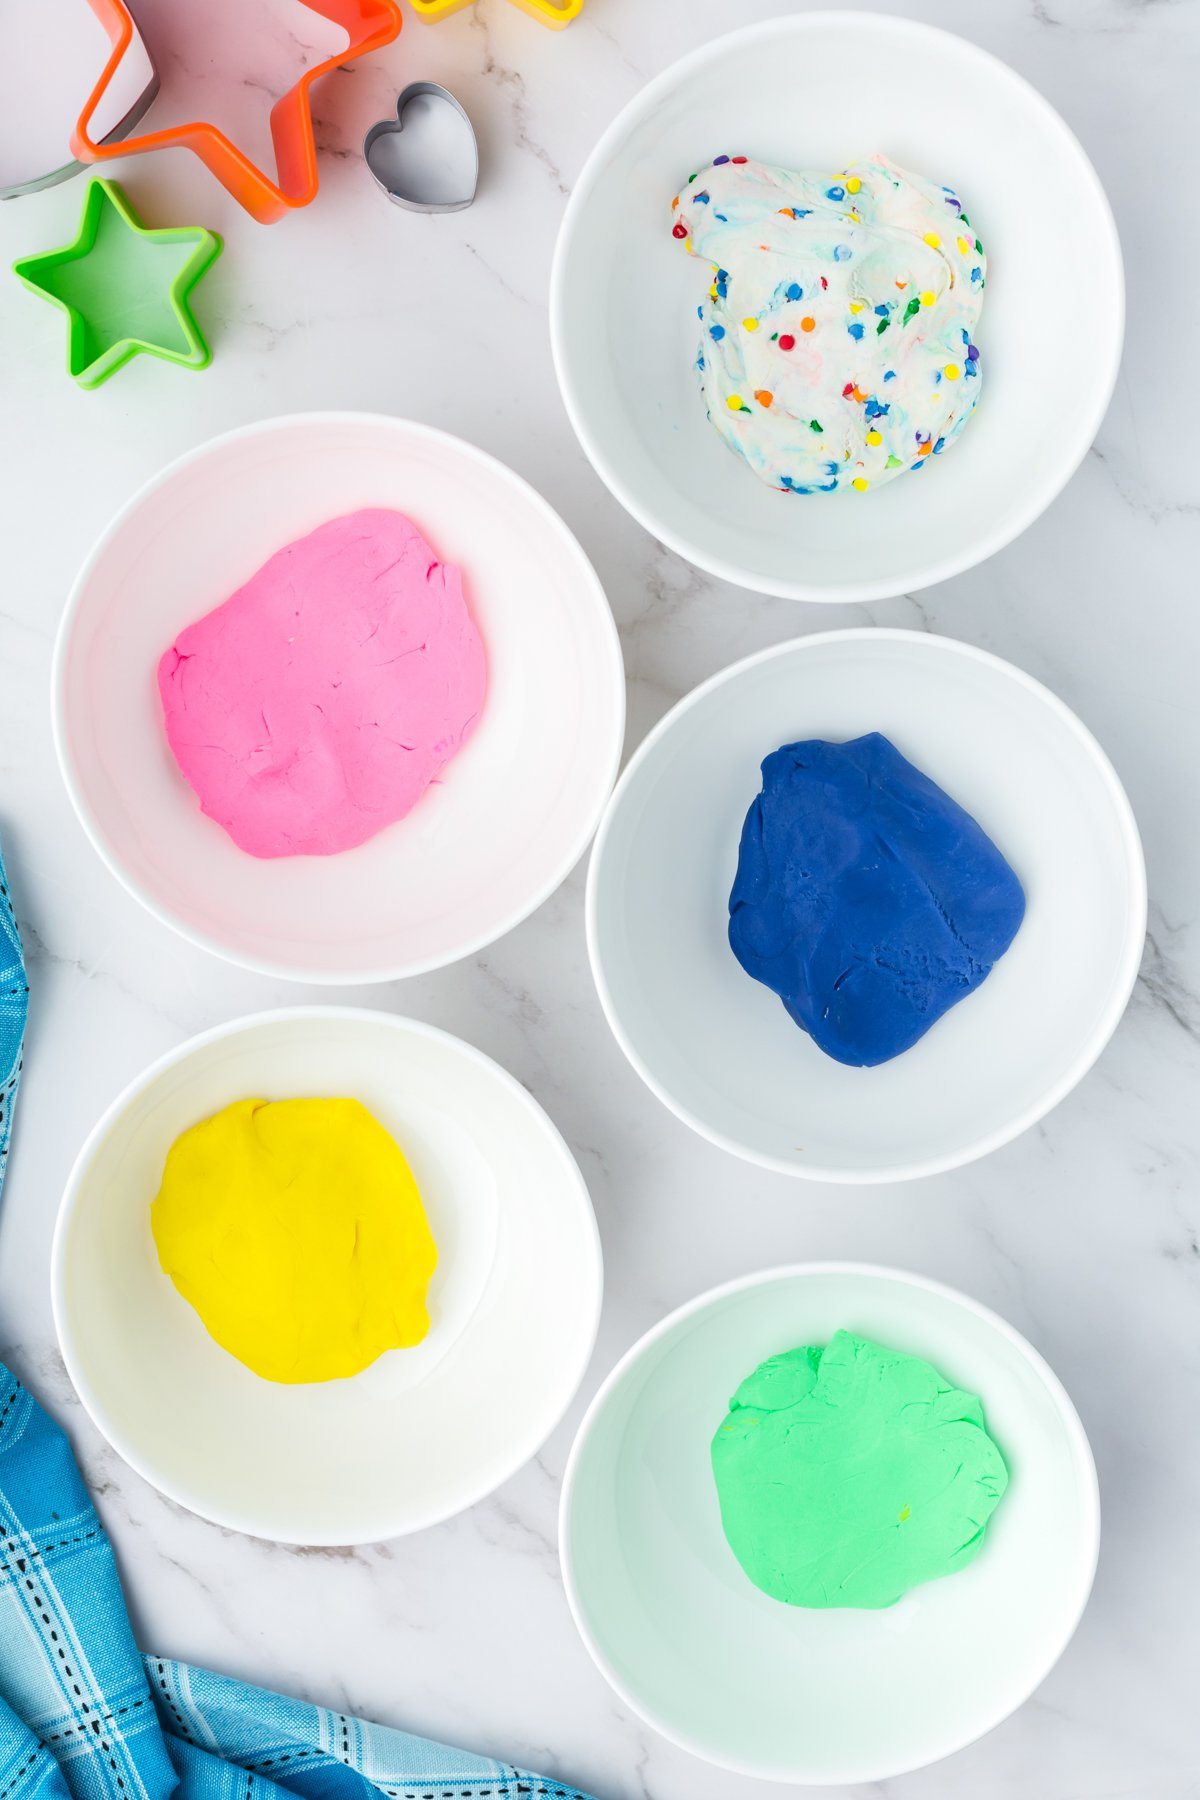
<point x="718" y="1047"/>
<point x="423" y="1432"/>
<point x="509" y="815"/>
<point x="816" y="90"/>
<point x="819" y="1697"/>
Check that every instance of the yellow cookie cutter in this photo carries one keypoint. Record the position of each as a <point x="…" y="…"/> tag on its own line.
<point x="555" y="13"/>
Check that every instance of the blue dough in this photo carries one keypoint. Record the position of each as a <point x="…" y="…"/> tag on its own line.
<point x="866" y="898"/>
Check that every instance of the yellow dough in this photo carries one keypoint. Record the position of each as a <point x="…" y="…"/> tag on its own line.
<point x="296" y="1230"/>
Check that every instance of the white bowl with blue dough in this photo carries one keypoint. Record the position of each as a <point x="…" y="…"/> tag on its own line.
<point x="719" y="1049"/>
<point x="828" y="1696"/>
<point x="816" y="91"/>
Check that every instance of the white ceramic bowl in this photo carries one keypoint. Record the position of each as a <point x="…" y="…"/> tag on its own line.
<point x="512" y="812"/>
<point x="422" y="1433"/>
<point x="719" y="1048"/>
<point x="814" y="90"/>
<point x="819" y="1697"/>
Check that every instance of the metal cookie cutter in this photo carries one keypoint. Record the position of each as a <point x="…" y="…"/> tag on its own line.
<point x="37" y="123"/>
<point x="554" y="13"/>
<point x="369" y="24"/>
<point x="428" y="185"/>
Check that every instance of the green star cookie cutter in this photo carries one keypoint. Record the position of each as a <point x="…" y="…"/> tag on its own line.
<point x="111" y="284"/>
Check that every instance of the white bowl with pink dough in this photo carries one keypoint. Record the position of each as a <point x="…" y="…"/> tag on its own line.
<point x="511" y="812"/>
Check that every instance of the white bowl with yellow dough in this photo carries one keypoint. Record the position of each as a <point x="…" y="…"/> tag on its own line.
<point x="423" y="1432"/>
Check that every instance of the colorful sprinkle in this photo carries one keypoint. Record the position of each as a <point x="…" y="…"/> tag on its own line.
<point x="928" y="297"/>
<point x="679" y="229"/>
<point x="764" y="396"/>
<point x="952" y="371"/>
<point x="795" y="291"/>
<point x="933" y="240"/>
<point x="787" y="341"/>
<point x="716" y="332"/>
<point x="808" y="324"/>
<point x="835" y="193"/>
<point x="860" y="483"/>
<point x="855" y="330"/>
<point x="874" y="437"/>
<point x="815" y="425"/>
<point x="749" y="324"/>
<point x="853" y="184"/>
<point x="842" y="253"/>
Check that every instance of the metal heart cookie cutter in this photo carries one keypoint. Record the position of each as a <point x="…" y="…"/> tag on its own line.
<point x="437" y="173"/>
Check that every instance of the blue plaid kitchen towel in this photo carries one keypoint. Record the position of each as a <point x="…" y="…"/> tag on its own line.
<point x="83" y="1716"/>
<point x="14" y="1005"/>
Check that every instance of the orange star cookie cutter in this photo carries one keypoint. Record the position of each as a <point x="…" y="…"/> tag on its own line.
<point x="369" y="24"/>
<point x="555" y="13"/>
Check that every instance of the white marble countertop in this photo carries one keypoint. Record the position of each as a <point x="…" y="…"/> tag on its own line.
<point x="1084" y="1233"/>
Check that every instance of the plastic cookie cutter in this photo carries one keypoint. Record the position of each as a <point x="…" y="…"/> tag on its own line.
<point x="436" y="171"/>
<point x="125" y="288"/>
<point x="369" y="24"/>
<point x="36" y="117"/>
<point x="555" y="13"/>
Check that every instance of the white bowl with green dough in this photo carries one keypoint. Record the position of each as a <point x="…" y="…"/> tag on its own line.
<point x="814" y="1694"/>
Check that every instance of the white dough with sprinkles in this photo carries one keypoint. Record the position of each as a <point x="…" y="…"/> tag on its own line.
<point x="838" y="332"/>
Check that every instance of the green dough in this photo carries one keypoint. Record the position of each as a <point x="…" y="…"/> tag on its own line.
<point x="848" y="1475"/>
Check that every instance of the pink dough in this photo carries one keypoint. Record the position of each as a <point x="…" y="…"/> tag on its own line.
<point x="315" y="707"/>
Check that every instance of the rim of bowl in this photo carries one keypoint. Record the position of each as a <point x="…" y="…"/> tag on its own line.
<point x="69" y="1206"/>
<point x="645" y="102"/>
<point x="284" y="971"/>
<point x="1065" y="1407"/>
<point x="1074" y="1074"/>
